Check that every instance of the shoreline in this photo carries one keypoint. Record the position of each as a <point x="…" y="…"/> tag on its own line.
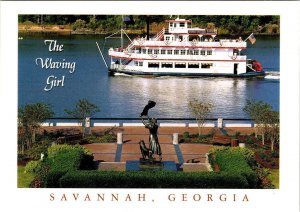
<point x="67" y="30"/>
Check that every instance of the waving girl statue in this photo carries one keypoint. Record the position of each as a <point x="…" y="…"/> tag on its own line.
<point x="151" y="124"/>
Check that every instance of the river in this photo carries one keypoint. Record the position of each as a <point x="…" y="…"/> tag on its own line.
<point x="125" y="97"/>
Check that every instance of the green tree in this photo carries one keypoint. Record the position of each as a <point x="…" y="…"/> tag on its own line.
<point x="272" y="118"/>
<point x="30" y="118"/>
<point x="201" y="111"/>
<point x="262" y="114"/>
<point x="79" y="24"/>
<point x="92" y="23"/>
<point x="83" y="109"/>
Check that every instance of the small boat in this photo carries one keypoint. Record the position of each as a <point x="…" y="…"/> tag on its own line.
<point x="183" y="50"/>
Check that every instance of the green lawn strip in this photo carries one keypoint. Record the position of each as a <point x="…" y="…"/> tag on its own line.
<point x="24" y="179"/>
<point x="274" y="177"/>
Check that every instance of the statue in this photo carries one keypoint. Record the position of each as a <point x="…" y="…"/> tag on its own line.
<point x="151" y="124"/>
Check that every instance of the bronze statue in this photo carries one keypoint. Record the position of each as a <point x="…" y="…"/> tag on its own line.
<point x="146" y="152"/>
<point x="151" y="124"/>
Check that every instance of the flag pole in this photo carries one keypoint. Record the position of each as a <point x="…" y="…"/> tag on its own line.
<point x="248" y="37"/>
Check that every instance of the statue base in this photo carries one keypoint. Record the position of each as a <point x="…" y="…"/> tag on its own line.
<point x="146" y="165"/>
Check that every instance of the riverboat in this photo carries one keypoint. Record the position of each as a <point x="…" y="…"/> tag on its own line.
<point x="183" y="50"/>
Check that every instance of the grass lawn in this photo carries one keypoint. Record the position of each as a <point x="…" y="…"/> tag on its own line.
<point x="274" y="177"/>
<point x="24" y="179"/>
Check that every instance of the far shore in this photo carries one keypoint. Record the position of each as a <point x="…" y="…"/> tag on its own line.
<point x="67" y="30"/>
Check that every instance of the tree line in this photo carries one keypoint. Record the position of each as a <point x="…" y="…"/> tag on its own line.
<point x="226" y="24"/>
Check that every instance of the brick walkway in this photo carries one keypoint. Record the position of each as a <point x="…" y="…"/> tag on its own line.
<point x="130" y="150"/>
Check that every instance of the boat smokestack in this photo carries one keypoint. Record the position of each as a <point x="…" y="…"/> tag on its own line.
<point x="148" y="26"/>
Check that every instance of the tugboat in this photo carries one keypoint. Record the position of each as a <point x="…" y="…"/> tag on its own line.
<point x="183" y="50"/>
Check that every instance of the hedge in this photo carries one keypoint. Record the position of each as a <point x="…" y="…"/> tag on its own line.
<point x="62" y="159"/>
<point x="236" y="161"/>
<point x="148" y="179"/>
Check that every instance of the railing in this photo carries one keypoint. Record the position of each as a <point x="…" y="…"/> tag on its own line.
<point x="179" y="56"/>
<point x="163" y="122"/>
<point x="159" y="35"/>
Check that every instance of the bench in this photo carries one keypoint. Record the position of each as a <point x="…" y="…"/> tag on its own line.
<point x="224" y="140"/>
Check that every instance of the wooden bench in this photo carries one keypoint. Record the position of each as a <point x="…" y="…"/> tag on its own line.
<point x="224" y="140"/>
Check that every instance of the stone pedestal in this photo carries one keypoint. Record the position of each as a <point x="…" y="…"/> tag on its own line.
<point x="87" y="126"/>
<point x="119" y="138"/>
<point x="220" y="123"/>
<point x="175" y="138"/>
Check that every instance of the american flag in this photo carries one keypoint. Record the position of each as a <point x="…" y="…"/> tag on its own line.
<point x="252" y="38"/>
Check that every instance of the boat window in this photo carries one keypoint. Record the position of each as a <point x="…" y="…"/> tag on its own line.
<point x="180" y="65"/>
<point x="174" y="24"/>
<point x="136" y="63"/>
<point x="170" y="51"/>
<point x="171" y="24"/>
<point x="167" y="37"/>
<point x="193" y="65"/>
<point x="156" y="51"/>
<point x="209" y="52"/>
<point x="167" y="65"/>
<point x="163" y="51"/>
<point x="176" y="52"/>
<point x="182" y="52"/>
<point x="153" y="65"/>
<point x="140" y="63"/>
<point x="149" y="51"/>
<point x="202" y="52"/>
<point x="144" y="51"/>
<point x="182" y="24"/>
<point x="206" y="65"/>
<point x="190" y="52"/>
<point x="196" y="52"/>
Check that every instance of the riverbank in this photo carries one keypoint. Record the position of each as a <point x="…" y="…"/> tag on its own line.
<point x="68" y="30"/>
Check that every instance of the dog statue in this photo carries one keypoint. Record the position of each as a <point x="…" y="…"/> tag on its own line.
<point x="146" y="152"/>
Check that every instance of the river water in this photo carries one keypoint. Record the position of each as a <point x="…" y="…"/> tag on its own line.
<point x="125" y="97"/>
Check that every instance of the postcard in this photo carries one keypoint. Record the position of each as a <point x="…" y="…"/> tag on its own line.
<point x="150" y="105"/>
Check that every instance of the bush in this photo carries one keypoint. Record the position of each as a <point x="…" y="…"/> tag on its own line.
<point x="52" y="178"/>
<point x="186" y="135"/>
<point x="38" y="148"/>
<point x="33" y="167"/>
<point x="146" y="179"/>
<point x="79" y="24"/>
<point x="275" y="154"/>
<point x="106" y="138"/>
<point x="236" y="161"/>
<point x="66" y="160"/>
<point x="62" y="159"/>
<point x="65" y="148"/>
<point x="237" y="134"/>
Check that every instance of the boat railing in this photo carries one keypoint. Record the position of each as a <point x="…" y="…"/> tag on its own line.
<point x="221" y="43"/>
<point x="185" y="56"/>
<point x="159" y="35"/>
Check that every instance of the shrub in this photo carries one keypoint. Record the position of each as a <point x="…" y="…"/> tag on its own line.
<point x="33" y="167"/>
<point x="157" y="179"/>
<point x="250" y="140"/>
<point x="66" y="160"/>
<point x="275" y="154"/>
<point x="62" y="159"/>
<point x="65" y="148"/>
<point x="186" y="135"/>
<point x="237" y="134"/>
<point x="79" y="24"/>
<point x="236" y="161"/>
<point x="38" y="148"/>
